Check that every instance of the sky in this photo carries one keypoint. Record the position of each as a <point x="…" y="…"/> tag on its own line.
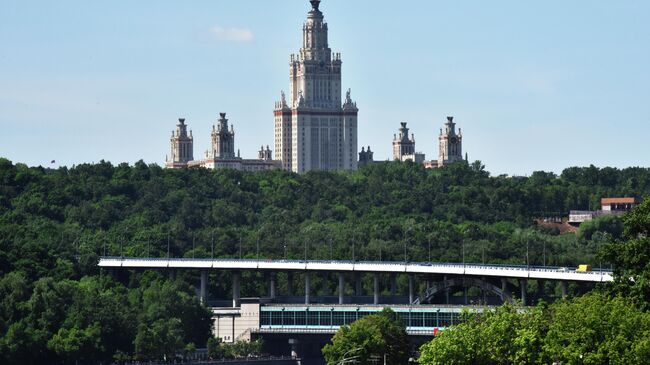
<point x="538" y="85"/>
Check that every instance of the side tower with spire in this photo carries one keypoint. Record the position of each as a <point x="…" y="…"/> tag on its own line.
<point x="223" y="139"/>
<point x="182" y="146"/>
<point x="450" y="143"/>
<point x="402" y="144"/>
<point x="315" y="129"/>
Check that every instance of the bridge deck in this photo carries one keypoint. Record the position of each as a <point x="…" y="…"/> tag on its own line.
<point x="480" y="270"/>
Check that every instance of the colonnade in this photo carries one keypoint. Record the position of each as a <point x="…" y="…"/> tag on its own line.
<point x="272" y="279"/>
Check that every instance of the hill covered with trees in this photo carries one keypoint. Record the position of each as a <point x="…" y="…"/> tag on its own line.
<point x="55" y="224"/>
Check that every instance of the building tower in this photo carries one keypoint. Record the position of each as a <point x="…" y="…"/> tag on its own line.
<point x="451" y="144"/>
<point x="313" y="129"/>
<point x="223" y="139"/>
<point x="365" y="157"/>
<point x="182" y="146"/>
<point x="265" y="154"/>
<point x="402" y="144"/>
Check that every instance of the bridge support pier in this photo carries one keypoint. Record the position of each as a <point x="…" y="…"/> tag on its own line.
<point x="289" y="283"/>
<point x="272" y="283"/>
<point x="504" y="286"/>
<point x="563" y="288"/>
<point x="204" y="284"/>
<point x="307" y="287"/>
<point x="172" y="275"/>
<point x="393" y="285"/>
<point x="236" y="288"/>
<point x="523" y="285"/>
<point x="445" y="278"/>
<point x="341" y="288"/>
<point x="465" y="293"/>
<point x="540" y="289"/>
<point x="411" y="299"/>
<point x="376" y="288"/>
<point x="358" y="289"/>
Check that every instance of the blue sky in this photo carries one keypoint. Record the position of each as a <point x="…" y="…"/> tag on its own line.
<point x="534" y="85"/>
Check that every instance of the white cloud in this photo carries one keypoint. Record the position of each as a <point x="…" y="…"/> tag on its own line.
<point x="237" y="35"/>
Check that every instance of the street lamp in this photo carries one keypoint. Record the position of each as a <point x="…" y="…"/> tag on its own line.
<point x="285" y="249"/>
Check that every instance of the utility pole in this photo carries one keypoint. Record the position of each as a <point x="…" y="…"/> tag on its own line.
<point x="527" y="258"/>
<point x="463" y="244"/>
<point x="331" y="250"/>
<point x="212" y="246"/>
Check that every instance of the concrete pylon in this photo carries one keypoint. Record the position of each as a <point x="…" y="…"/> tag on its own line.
<point x="376" y="288"/>
<point x="358" y="289"/>
<point x="236" y="289"/>
<point x="444" y="278"/>
<point x="272" y="284"/>
<point x="204" y="285"/>
<point x="411" y="297"/>
<point x="341" y="288"/>
<point x="504" y="287"/>
<point x="563" y="288"/>
<point x="393" y="285"/>
<point x="290" y="283"/>
<point x="523" y="285"/>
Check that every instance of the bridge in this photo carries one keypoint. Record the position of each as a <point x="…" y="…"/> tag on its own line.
<point x="453" y="274"/>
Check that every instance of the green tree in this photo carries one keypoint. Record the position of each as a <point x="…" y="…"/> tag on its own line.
<point x="595" y="329"/>
<point x="371" y="337"/>
<point x="506" y="335"/>
<point x="216" y="348"/>
<point x="630" y="256"/>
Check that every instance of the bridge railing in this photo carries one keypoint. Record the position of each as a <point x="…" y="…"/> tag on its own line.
<point x="366" y="263"/>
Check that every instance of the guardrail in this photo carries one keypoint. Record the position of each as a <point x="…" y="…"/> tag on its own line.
<point x="472" y="269"/>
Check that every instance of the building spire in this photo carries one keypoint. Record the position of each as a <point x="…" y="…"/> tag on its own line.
<point x="314" y="4"/>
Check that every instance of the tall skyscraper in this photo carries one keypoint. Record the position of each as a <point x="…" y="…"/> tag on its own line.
<point x="314" y="129"/>
<point x="182" y="146"/>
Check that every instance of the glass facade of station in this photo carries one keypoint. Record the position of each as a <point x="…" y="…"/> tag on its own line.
<point x="414" y="319"/>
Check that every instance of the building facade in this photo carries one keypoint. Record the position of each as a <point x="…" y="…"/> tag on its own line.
<point x="315" y="129"/>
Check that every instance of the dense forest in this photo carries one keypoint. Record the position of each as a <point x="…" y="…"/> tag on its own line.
<point x="56" y="305"/>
